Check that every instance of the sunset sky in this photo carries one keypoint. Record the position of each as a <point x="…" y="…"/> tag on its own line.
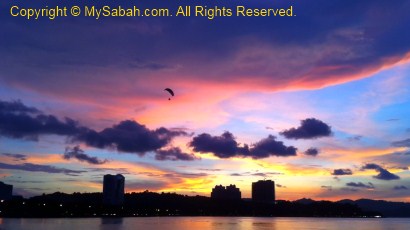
<point x="318" y="102"/>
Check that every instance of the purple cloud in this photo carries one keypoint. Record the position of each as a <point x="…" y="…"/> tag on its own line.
<point x="312" y="152"/>
<point x="225" y="146"/>
<point x="23" y="122"/>
<point x="341" y="172"/>
<point x="360" y="185"/>
<point x="174" y="154"/>
<point x="79" y="154"/>
<point x="310" y="128"/>
<point x="383" y="173"/>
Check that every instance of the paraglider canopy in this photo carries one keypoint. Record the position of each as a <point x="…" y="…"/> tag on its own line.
<point x="170" y="92"/>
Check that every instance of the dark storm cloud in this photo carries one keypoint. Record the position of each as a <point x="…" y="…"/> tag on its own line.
<point x="320" y="50"/>
<point x="16" y="156"/>
<point x="312" y="152"/>
<point x="371" y="166"/>
<point x="383" y="173"/>
<point x="39" y="168"/>
<point x="173" y="154"/>
<point x="225" y="146"/>
<point x="360" y="185"/>
<point x="400" y="187"/>
<point x="271" y="147"/>
<point x="79" y="154"/>
<point x="20" y="121"/>
<point x="341" y="172"/>
<point x="310" y="128"/>
<point x="16" y="107"/>
<point x="386" y="175"/>
<point x="402" y="143"/>
<point x="129" y="136"/>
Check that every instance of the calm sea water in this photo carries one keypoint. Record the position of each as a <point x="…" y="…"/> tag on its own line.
<point x="194" y="223"/>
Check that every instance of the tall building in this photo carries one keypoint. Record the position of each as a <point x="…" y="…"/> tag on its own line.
<point x="6" y="191"/>
<point x="233" y="193"/>
<point x="263" y="191"/>
<point x="218" y="192"/>
<point x="230" y="192"/>
<point x="113" y="189"/>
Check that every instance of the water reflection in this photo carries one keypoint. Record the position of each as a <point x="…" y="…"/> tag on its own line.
<point x="111" y="224"/>
<point x="212" y="223"/>
<point x="111" y="221"/>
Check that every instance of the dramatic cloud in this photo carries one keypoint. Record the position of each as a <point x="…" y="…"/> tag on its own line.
<point x="386" y="175"/>
<point x="341" y="172"/>
<point x="310" y="128"/>
<point x="225" y="146"/>
<point x="371" y="166"/>
<point x="312" y="152"/>
<point x="16" y="156"/>
<point x="400" y="187"/>
<point x="20" y="121"/>
<point x="39" y="168"/>
<point x="360" y="185"/>
<point x="321" y="54"/>
<point x="16" y="107"/>
<point x="270" y="147"/>
<point x="383" y="173"/>
<point x="79" y="154"/>
<point x="402" y="143"/>
<point x="174" y="154"/>
<point x="129" y="136"/>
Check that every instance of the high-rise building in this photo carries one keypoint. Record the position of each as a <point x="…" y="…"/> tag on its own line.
<point x="6" y="191"/>
<point x="113" y="189"/>
<point x="263" y="191"/>
<point x="233" y="193"/>
<point x="218" y="192"/>
<point x="230" y="192"/>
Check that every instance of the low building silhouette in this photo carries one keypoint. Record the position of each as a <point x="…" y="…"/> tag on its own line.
<point x="263" y="191"/>
<point x="230" y="192"/>
<point x="6" y="191"/>
<point x="113" y="189"/>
